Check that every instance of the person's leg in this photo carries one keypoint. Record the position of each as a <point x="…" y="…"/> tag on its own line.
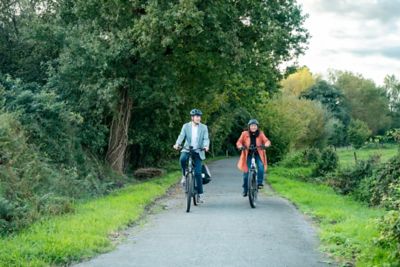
<point x="197" y="173"/>
<point x="246" y="175"/>
<point x="245" y="181"/>
<point x="183" y="160"/>
<point x="260" y="170"/>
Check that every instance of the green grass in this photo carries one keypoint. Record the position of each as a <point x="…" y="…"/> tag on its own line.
<point x="84" y="233"/>
<point x="347" y="228"/>
<point x="346" y="156"/>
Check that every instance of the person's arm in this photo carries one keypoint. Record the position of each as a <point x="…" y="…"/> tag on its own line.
<point x="181" y="137"/>
<point x="239" y="143"/>
<point x="206" y="139"/>
<point x="265" y="140"/>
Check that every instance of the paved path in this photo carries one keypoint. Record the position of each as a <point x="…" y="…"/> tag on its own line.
<point x="224" y="231"/>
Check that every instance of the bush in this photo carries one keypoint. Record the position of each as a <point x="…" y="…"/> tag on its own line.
<point x="327" y="163"/>
<point x="390" y="234"/>
<point x="7" y="213"/>
<point x="385" y="188"/>
<point x="294" y="159"/>
<point x="27" y="177"/>
<point x="303" y="158"/>
<point x="312" y="155"/>
<point x="348" y="180"/>
<point x="47" y="121"/>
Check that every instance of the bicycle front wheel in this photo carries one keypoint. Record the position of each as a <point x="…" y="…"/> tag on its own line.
<point x="189" y="190"/>
<point x="252" y="185"/>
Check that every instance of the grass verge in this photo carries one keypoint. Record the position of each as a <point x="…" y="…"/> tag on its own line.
<point x="347" y="228"/>
<point x="63" y="239"/>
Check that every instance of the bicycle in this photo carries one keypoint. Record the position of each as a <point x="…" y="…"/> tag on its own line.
<point x="190" y="181"/>
<point x="252" y="187"/>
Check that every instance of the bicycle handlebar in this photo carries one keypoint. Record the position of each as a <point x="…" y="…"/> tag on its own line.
<point x="191" y="148"/>
<point x="252" y="147"/>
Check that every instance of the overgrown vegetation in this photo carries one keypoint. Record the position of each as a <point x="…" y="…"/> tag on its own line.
<point x="91" y="228"/>
<point x="350" y="230"/>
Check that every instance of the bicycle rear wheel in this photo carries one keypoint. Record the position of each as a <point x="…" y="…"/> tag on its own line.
<point x="189" y="190"/>
<point x="252" y="185"/>
<point x="194" y="192"/>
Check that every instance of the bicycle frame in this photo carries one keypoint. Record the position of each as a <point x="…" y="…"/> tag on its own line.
<point x="252" y="189"/>
<point x="191" y="181"/>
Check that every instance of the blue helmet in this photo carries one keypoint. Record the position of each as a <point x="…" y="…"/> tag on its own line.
<point x="195" y="112"/>
<point x="252" y="121"/>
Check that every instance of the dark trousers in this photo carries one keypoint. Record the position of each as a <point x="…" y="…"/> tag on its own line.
<point x="197" y="168"/>
<point x="260" y="171"/>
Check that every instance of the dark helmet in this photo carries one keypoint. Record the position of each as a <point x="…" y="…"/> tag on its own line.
<point x="195" y="112"/>
<point x="252" y="121"/>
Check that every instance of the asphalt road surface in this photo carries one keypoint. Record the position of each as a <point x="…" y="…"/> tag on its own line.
<point x="224" y="231"/>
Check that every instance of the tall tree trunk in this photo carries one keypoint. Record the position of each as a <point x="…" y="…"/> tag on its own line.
<point x="118" y="141"/>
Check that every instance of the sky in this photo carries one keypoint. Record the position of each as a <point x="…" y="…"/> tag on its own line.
<point x="362" y="36"/>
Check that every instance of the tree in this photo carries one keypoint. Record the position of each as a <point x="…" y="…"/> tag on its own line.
<point x="337" y="133"/>
<point x="298" y="82"/>
<point x="392" y="89"/>
<point x="293" y="123"/>
<point x="28" y="40"/>
<point x="365" y="100"/>
<point x="125" y="63"/>
<point x="331" y="97"/>
<point x="358" y="133"/>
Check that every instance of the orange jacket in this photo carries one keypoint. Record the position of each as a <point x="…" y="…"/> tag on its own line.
<point x="244" y="140"/>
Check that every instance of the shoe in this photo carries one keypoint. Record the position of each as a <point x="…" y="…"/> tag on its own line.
<point x="244" y="193"/>
<point x="183" y="181"/>
<point x="260" y="186"/>
<point x="200" y="198"/>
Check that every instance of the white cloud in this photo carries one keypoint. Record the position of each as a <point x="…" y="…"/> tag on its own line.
<point x="359" y="36"/>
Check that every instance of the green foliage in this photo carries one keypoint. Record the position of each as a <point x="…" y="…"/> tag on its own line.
<point x="348" y="180"/>
<point x="358" y="133"/>
<point x="33" y="187"/>
<point x="49" y="122"/>
<point x="337" y="133"/>
<point x="171" y="52"/>
<point x="327" y="163"/>
<point x="385" y="188"/>
<point x="7" y="215"/>
<point x="392" y="90"/>
<point x="293" y="123"/>
<point x="364" y="100"/>
<point x="331" y="97"/>
<point x="302" y="158"/>
<point x="347" y="228"/>
<point x="62" y="240"/>
<point x="298" y="82"/>
<point x="390" y="234"/>
<point x="312" y="155"/>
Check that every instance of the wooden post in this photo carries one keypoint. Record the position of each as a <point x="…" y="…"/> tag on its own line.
<point x="355" y="157"/>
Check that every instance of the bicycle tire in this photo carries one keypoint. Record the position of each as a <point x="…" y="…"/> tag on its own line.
<point x="194" y="192"/>
<point x="189" y="191"/>
<point x="252" y="187"/>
